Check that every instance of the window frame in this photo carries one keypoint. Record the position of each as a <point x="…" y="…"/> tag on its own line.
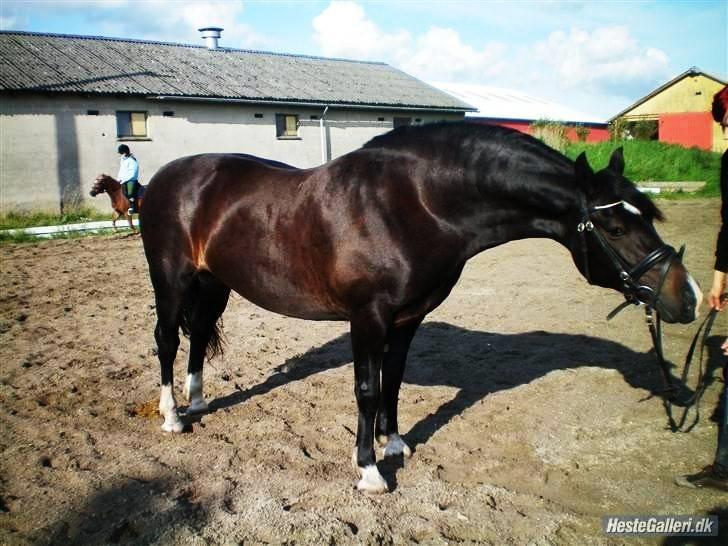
<point x="282" y="126"/>
<point x="130" y="124"/>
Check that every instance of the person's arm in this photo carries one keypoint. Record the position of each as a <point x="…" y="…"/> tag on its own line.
<point x="721" y="247"/>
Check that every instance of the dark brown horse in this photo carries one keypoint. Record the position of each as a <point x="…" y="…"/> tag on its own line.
<point x="119" y="203"/>
<point x="379" y="237"/>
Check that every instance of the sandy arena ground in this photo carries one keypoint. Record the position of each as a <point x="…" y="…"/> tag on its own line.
<point x="530" y="415"/>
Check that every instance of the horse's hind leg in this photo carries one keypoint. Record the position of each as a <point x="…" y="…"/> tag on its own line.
<point x="387" y="427"/>
<point x="169" y="293"/>
<point x="208" y="300"/>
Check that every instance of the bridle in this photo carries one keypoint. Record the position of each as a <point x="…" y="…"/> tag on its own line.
<point x="640" y="294"/>
<point x="630" y="275"/>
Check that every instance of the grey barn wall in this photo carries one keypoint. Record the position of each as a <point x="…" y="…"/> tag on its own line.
<point x="51" y="149"/>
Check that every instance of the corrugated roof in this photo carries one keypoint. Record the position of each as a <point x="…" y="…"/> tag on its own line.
<point x="692" y="71"/>
<point x="99" y="65"/>
<point x="506" y="104"/>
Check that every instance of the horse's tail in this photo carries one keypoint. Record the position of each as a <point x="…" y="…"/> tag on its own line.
<point x="193" y="298"/>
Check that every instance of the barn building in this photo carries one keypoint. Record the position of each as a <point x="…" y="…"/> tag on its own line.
<point x="679" y="112"/>
<point x="509" y="108"/>
<point x="67" y="102"/>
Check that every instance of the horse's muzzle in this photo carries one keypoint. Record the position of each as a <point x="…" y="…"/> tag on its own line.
<point x="682" y="306"/>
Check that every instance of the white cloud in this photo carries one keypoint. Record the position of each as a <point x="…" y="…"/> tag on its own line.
<point x="343" y="30"/>
<point x="440" y="54"/>
<point x="8" y="23"/>
<point x="162" y="20"/>
<point x="605" y="57"/>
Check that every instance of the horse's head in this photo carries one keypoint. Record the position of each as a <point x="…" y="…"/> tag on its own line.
<point x="103" y="183"/>
<point x="615" y="244"/>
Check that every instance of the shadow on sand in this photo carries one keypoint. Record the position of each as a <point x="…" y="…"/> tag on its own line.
<point x="135" y="512"/>
<point x="481" y="363"/>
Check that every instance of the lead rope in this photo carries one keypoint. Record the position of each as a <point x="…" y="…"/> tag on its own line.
<point x="655" y="326"/>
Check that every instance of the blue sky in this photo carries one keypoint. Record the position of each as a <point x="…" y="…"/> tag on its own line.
<point x="597" y="56"/>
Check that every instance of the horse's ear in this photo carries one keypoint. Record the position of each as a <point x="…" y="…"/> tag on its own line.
<point x="583" y="170"/>
<point x="584" y="173"/>
<point x="616" y="162"/>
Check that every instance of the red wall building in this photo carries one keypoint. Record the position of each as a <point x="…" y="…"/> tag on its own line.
<point x="597" y="132"/>
<point x="687" y="129"/>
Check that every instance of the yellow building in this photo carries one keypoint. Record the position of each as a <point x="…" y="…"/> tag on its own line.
<point x="681" y="111"/>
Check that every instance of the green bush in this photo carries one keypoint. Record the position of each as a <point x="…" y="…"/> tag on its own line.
<point x="582" y="133"/>
<point x="652" y="160"/>
<point x="15" y="220"/>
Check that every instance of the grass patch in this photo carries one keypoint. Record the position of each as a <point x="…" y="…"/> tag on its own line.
<point x="19" y="220"/>
<point x="656" y="161"/>
<point x="6" y="238"/>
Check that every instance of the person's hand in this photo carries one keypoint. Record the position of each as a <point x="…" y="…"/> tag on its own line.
<point x="716" y="298"/>
<point x="725" y="347"/>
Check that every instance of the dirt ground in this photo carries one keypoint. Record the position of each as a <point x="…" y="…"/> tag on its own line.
<point x="530" y="415"/>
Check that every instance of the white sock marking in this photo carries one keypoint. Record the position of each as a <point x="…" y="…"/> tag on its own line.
<point x="371" y="480"/>
<point x="193" y="393"/>
<point x="168" y="410"/>
<point x="396" y="446"/>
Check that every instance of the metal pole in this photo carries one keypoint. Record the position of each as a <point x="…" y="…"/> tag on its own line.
<point x="323" y="136"/>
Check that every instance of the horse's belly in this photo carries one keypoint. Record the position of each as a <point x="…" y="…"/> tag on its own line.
<point x="285" y="298"/>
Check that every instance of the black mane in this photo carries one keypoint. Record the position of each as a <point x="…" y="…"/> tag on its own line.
<point x="443" y="136"/>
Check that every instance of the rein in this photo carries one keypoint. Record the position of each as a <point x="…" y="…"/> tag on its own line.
<point x="655" y="326"/>
<point x="638" y="294"/>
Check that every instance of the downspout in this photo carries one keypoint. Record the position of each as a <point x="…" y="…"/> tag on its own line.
<point x="323" y="136"/>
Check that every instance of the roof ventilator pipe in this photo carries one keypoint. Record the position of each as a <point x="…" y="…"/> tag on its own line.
<point x="211" y="35"/>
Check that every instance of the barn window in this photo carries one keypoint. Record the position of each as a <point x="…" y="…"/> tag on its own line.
<point x="399" y="122"/>
<point x="131" y="124"/>
<point x="258" y="116"/>
<point x="92" y="112"/>
<point x="286" y="125"/>
<point x="168" y="114"/>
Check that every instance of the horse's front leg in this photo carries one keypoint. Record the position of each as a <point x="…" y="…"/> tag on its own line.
<point x="131" y="222"/>
<point x="368" y="335"/>
<point x="114" y="217"/>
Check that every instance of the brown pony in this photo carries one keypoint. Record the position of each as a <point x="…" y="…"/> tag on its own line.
<point x="119" y="203"/>
<point x="378" y="238"/>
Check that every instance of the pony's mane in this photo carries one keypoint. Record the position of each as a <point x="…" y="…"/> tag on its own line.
<point x="106" y="180"/>
<point x="442" y="135"/>
<point x="409" y="135"/>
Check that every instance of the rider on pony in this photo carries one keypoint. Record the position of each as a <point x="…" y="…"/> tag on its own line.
<point x="129" y="176"/>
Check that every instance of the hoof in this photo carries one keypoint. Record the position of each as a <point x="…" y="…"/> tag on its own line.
<point x="371" y="480"/>
<point x="198" y="406"/>
<point x="172" y="424"/>
<point x="396" y="446"/>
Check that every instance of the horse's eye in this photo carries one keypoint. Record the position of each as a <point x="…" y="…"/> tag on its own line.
<point x="616" y="232"/>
